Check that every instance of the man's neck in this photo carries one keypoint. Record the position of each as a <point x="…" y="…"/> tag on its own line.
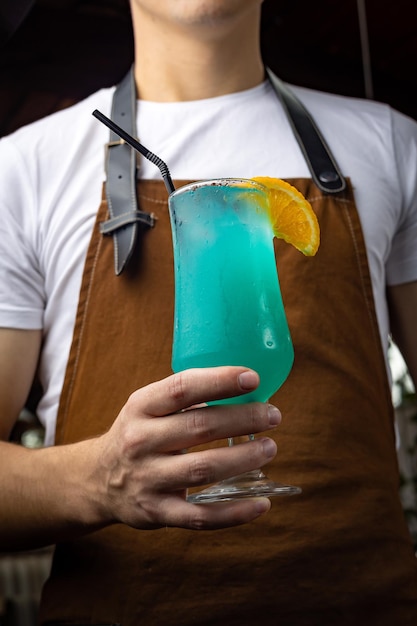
<point x="182" y="63"/>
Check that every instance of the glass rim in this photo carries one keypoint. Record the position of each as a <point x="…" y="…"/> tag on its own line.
<point x="219" y="182"/>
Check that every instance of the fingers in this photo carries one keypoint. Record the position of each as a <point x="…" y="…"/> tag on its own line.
<point x="178" y="472"/>
<point x="182" y="514"/>
<point x="208" y="423"/>
<point x="194" y="386"/>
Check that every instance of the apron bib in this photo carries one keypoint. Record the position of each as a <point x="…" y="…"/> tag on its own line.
<point x="339" y="553"/>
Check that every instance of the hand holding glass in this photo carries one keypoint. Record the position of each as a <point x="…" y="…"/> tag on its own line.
<point x="228" y="304"/>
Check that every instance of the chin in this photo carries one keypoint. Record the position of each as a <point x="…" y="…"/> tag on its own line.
<point x="198" y="12"/>
<point x="214" y="10"/>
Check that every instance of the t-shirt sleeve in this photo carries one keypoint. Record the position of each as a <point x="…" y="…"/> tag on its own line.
<point x="402" y="262"/>
<point x="21" y="282"/>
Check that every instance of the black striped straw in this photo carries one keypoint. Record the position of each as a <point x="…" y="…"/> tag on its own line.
<point x="163" y="168"/>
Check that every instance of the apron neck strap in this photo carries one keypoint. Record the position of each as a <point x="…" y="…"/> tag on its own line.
<point x="120" y="165"/>
<point x="121" y="162"/>
<point x="322" y="165"/>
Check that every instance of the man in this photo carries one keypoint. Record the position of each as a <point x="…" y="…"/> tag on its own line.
<point x="112" y="493"/>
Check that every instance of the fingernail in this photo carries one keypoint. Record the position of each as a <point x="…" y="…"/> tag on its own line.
<point x="248" y="380"/>
<point x="274" y="415"/>
<point x="269" y="446"/>
<point x="262" y="505"/>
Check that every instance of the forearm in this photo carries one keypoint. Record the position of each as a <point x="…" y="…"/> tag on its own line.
<point x="47" y="495"/>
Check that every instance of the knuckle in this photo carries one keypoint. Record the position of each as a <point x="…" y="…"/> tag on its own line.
<point x="150" y="511"/>
<point x="134" y="441"/>
<point x="133" y="430"/>
<point x="197" y="520"/>
<point x="177" y="386"/>
<point x="133" y="400"/>
<point x="257" y="452"/>
<point x="200" y="471"/>
<point x="145" y="514"/>
<point x="251" y="452"/>
<point x="130" y="438"/>
<point x="257" y="413"/>
<point x="198" y="422"/>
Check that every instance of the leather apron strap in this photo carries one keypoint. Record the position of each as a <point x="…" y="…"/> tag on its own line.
<point x="323" y="167"/>
<point x="120" y="167"/>
<point x="121" y="163"/>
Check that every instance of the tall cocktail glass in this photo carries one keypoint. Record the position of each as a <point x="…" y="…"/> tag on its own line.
<point x="228" y="304"/>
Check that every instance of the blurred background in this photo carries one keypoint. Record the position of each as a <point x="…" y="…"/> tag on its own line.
<point x="56" y="52"/>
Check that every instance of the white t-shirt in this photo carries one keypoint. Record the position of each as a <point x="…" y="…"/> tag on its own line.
<point x="52" y="172"/>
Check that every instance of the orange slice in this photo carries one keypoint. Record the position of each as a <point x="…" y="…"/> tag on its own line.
<point x="292" y="216"/>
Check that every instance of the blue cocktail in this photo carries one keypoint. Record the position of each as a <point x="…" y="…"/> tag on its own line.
<point x="228" y="304"/>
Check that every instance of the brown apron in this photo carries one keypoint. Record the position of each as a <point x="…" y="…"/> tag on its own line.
<point x="340" y="553"/>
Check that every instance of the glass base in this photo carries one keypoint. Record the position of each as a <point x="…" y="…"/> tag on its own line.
<point x="250" y="485"/>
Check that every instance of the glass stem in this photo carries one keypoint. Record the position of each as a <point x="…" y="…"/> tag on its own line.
<point x="231" y="442"/>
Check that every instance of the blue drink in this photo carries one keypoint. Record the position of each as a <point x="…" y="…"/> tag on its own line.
<point x="228" y="304"/>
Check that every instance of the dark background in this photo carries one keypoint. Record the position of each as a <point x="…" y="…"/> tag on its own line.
<point x="55" y="52"/>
